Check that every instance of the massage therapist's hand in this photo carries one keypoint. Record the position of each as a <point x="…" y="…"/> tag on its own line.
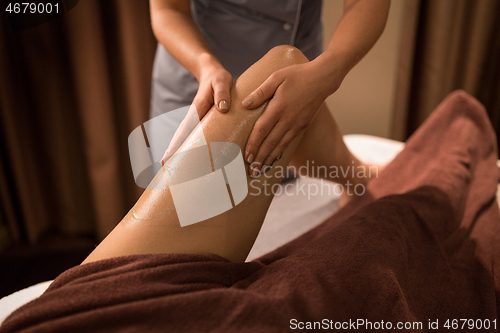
<point x="215" y="85"/>
<point x="297" y="93"/>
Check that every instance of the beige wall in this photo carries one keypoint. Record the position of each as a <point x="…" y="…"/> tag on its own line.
<point x="364" y="102"/>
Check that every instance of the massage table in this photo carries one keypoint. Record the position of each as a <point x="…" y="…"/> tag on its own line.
<point x="276" y="230"/>
<point x="287" y="213"/>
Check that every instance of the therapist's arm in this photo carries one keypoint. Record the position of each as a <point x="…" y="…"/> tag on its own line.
<point x="299" y="90"/>
<point x="175" y="29"/>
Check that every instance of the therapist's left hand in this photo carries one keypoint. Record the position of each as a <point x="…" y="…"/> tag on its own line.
<point x="297" y="94"/>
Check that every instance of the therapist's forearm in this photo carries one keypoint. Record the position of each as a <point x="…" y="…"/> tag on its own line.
<point x="360" y="26"/>
<point x="175" y="29"/>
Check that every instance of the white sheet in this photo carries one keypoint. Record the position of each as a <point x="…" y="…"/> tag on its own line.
<point x="9" y="303"/>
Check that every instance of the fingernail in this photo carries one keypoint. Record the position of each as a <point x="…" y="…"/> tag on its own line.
<point x="250" y="159"/>
<point x="255" y="172"/>
<point x="248" y="101"/>
<point x="223" y="105"/>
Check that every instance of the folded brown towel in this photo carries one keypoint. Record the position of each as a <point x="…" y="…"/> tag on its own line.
<point x="422" y="245"/>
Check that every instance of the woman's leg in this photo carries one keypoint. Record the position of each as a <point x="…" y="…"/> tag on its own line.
<point x="323" y="151"/>
<point x="152" y="225"/>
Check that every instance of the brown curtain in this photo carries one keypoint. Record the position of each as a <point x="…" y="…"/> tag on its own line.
<point x="447" y="45"/>
<point x="71" y="90"/>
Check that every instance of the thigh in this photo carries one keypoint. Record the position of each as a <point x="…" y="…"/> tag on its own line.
<point x="322" y="148"/>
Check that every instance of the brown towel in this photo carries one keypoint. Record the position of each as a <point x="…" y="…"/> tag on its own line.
<point x="423" y="245"/>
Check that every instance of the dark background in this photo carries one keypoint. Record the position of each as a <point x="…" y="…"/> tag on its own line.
<point x="71" y="91"/>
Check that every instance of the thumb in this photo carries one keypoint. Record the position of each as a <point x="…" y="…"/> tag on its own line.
<point x="263" y="93"/>
<point x="185" y="128"/>
<point x="222" y="97"/>
<point x="202" y="102"/>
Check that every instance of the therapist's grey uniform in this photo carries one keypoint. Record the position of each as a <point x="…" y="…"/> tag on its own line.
<point x="239" y="32"/>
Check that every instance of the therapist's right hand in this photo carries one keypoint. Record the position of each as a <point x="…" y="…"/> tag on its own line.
<point x="215" y="84"/>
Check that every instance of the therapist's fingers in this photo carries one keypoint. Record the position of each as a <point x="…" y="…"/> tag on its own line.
<point x="203" y="100"/>
<point x="221" y="88"/>
<point x="185" y="128"/>
<point x="273" y="145"/>
<point x="264" y="92"/>
<point x="260" y="131"/>
<point x="278" y="151"/>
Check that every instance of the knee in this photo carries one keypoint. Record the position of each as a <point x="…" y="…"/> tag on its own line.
<point x="287" y="53"/>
